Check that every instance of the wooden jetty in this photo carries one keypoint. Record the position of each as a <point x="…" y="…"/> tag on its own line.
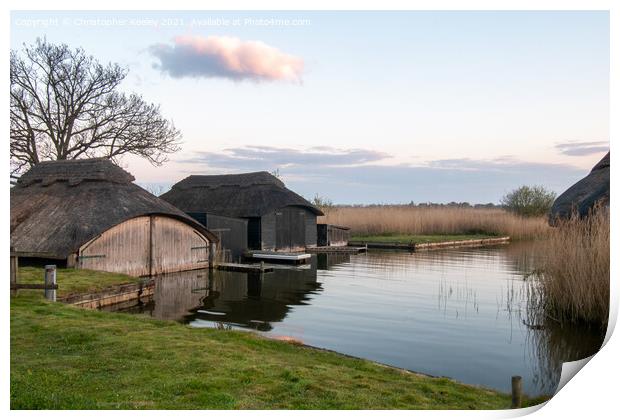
<point x="336" y="249"/>
<point x="279" y="257"/>
<point x="382" y="245"/>
<point x="414" y="247"/>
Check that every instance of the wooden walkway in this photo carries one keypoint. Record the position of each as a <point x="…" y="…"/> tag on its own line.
<point x="336" y="249"/>
<point x="280" y="257"/>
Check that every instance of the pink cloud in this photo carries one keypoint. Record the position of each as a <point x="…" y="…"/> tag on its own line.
<point x="228" y="57"/>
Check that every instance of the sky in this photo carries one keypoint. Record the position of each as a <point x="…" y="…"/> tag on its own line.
<point x="362" y="107"/>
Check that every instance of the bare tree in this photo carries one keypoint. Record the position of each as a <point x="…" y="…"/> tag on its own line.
<point x="65" y="105"/>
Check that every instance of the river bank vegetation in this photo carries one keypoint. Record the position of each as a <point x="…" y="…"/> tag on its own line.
<point x="67" y="357"/>
<point x="443" y="222"/>
<point x="572" y="283"/>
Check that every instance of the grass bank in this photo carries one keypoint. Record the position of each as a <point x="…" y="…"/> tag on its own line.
<point x="71" y="281"/>
<point x="572" y="284"/>
<point x="415" y="239"/>
<point x="409" y="220"/>
<point x="63" y="357"/>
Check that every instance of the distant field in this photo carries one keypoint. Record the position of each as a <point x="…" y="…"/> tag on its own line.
<point x="405" y="221"/>
<point x="416" y="239"/>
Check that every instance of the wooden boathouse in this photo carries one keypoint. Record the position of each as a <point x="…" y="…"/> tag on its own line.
<point x="332" y="235"/>
<point x="277" y="218"/>
<point x="89" y="214"/>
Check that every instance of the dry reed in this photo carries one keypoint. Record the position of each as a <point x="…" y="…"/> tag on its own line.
<point x="380" y="220"/>
<point x="572" y="284"/>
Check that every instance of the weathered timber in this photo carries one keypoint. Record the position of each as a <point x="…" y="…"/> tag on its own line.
<point x="280" y="257"/>
<point x="382" y="245"/>
<point x="146" y="245"/>
<point x="332" y="235"/>
<point x="336" y="249"/>
<point x="14" y="263"/>
<point x="517" y="395"/>
<point x="462" y="244"/>
<point x="50" y="282"/>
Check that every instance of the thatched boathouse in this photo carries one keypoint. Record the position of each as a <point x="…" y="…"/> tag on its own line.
<point x="277" y="218"/>
<point x="89" y="214"/>
<point x="581" y="197"/>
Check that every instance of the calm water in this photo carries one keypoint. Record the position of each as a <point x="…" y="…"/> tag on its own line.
<point x="456" y="313"/>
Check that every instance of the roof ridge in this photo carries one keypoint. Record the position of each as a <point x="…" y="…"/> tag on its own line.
<point x="74" y="172"/>
<point x="238" y="180"/>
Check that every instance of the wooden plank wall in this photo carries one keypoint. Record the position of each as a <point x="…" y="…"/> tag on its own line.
<point x="177" y="246"/>
<point x="233" y="234"/>
<point x="146" y="245"/>
<point x="121" y="249"/>
<point x="268" y="232"/>
<point x="311" y="234"/>
<point x="337" y="236"/>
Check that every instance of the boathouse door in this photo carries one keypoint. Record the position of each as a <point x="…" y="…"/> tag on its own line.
<point x="290" y="229"/>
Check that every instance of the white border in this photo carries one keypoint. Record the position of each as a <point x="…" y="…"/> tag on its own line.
<point x="591" y="394"/>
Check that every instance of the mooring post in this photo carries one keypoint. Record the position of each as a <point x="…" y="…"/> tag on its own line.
<point x="14" y="267"/>
<point x="212" y="254"/>
<point x="516" y="392"/>
<point x="50" y="282"/>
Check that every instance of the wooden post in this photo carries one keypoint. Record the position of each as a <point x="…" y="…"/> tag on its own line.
<point x="14" y="266"/>
<point x="212" y="254"/>
<point x="50" y="280"/>
<point x="516" y="392"/>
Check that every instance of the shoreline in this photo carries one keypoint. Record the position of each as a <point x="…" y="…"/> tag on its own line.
<point x="89" y="352"/>
<point x="426" y="246"/>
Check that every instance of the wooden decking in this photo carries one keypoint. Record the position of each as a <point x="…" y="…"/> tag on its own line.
<point x="336" y="249"/>
<point x="279" y="257"/>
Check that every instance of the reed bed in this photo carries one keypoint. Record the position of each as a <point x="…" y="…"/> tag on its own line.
<point x="390" y="220"/>
<point x="572" y="284"/>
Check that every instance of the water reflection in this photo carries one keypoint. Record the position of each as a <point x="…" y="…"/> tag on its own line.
<point x="255" y="300"/>
<point x="457" y="313"/>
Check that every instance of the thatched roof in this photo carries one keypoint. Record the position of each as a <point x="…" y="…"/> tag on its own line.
<point x="241" y="195"/>
<point x="58" y="206"/>
<point x="583" y="195"/>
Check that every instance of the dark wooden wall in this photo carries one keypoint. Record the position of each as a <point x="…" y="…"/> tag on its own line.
<point x="331" y="235"/>
<point x="268" y="231"/>
<point x="311" y="237"/>
<point x="233" y="233"/>
<point x="291" y="229"/>
<point x="287" y="229"/>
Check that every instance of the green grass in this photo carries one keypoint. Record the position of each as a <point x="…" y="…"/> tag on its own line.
<point x="63" y="357"/>
<point x="71" y="280"/>
<point x="417" y="239"/>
